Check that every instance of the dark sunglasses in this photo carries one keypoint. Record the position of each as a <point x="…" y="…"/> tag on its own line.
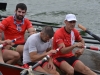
<point x="72" y="21"/>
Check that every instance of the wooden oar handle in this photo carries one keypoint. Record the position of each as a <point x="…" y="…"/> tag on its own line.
<point x="82" y="27"/>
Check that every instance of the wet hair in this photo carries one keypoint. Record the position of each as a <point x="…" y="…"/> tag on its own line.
<point x="48" y="30"/>
<point x="21" y="6"/>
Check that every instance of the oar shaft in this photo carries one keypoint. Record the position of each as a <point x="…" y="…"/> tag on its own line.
<point x="2" y="45"/>
<point x="95" y="36"/>
<point x="25" y="72"/>
<point x="92" y="48"/>
<point x="45" y="58"/>
<point x="89" y="32"/>
<point x="41" y="61"/>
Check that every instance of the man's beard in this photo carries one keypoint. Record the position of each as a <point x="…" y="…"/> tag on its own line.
<point x="19" y="17"/>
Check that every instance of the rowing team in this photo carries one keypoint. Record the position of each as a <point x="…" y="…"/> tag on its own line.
<point x="38" y="45"/>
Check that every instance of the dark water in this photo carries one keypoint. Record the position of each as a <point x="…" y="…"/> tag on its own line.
<point x="87" y="12"/>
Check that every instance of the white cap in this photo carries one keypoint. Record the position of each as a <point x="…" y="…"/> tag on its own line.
<point x="70" y="17"/>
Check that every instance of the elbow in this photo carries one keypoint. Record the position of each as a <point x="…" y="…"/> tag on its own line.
<point x="62" y="51"/>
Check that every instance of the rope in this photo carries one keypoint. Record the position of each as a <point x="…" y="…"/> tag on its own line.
<point x="30" y="72"/>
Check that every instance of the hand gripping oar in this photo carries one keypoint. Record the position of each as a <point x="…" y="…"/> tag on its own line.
<point x="91" y="47"/>
<point x="45" y="59"/>
<point x="89" y="32"/>
<point x="25" y="72"/>
<point x="2" y="45"/>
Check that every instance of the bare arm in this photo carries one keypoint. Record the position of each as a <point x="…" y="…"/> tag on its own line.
<point x="1" y="57"/>
<point x="65" y="50"/>
<point x="36" y="57"/>
<point x="81" y="50"/>
<point x="31" y="30"/>
<point x="1" y="36"/>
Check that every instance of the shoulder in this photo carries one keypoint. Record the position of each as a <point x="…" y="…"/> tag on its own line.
<point x="26" y="20"/>
<point x="34" y="36"/>
<point x="60" y="30"/>
<point x="9" y="18"/>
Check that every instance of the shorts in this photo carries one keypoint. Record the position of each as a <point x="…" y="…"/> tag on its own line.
<point x="17" y="45"/>
<point x="14" y="46"/>
<point x="71" y="60"/>
<point x="33" y="63"/>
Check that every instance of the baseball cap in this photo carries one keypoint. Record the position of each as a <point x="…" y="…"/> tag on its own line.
<point x="70" y="17"/>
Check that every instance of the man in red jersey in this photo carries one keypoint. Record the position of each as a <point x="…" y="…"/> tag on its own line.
<point x="66" y="37"/>
<point x="15" y="27"/>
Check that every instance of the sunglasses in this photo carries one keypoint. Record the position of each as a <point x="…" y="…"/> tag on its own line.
<point x="72" y="21"/>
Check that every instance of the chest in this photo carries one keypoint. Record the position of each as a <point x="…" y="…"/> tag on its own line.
<point x="69" y="39"/>
<point x="14" y="29"/>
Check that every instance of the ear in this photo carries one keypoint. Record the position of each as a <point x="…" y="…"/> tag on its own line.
<point x="41" y="33"/>
<point x="65" y="21"/>
<point x="15" y="11"/>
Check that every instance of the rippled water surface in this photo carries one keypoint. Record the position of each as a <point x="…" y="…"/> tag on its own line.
<point x="87" y="11"/>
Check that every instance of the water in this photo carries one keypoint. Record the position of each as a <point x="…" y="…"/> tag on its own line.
<point x="86" y="11"/>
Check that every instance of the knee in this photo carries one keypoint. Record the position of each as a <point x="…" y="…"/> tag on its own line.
<point x="85" y="70"/>
<point x="55" y="73"/>
<point x="70" y="71"/>
<point x="16" y="55"/>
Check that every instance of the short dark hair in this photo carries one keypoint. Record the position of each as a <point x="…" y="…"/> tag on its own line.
<point x="21" y="6"/>
<point x="48" y="30"/>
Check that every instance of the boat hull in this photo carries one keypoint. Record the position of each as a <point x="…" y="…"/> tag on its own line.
<point x="7" y="69"/>
<point x="91" y="59"/>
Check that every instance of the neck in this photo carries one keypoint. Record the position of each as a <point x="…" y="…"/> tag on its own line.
<point x="16" y="19"/>
<point x="67" y="30"/>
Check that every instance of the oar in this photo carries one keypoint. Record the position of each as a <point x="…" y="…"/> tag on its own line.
<point x="86" y="37"/>
<point x="1" y="16"/>
<point x="89" y="32"/>
<point x="42" y="25"/>
<point x="92" y="48"/>
<point x="44" y="22"/>
<point x="48" y="23"/>
<point x="92" y="42"/>
<point x="2" y="45"/>
<point x="25" y="72"/>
